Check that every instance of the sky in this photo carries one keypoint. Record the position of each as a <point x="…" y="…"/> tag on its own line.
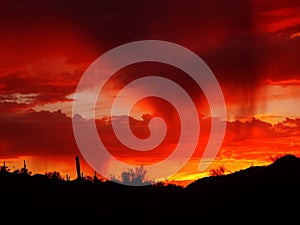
<point x="252" y="48"/>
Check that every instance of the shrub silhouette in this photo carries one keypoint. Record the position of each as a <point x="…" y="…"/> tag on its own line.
<point x="55" y="175"/>
<point x="276" y="157"/>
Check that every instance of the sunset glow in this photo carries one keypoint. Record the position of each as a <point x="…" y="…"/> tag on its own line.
<point x="252" y="47"/>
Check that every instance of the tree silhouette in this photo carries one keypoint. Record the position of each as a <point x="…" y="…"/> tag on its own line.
<point x="221" y="170"/>
<point x="137" y="176"/>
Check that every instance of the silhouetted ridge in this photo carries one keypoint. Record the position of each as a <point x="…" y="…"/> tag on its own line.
<point x="285" y="169"/>
<point x="287" y="161"/>
<point x="256" y="195"/>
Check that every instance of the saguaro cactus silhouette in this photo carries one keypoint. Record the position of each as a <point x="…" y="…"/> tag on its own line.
<point x="4" y="168"/>
<point x="24" y="169"/>
<point x="78" y="167"/>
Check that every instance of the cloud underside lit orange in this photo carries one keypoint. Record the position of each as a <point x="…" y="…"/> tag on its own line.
<point x="246" y="143"/>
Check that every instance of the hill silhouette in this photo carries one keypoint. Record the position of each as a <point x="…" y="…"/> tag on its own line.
<point x="257" y="195"/>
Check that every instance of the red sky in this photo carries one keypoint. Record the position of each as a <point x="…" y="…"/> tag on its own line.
<point x="252" y="47"/>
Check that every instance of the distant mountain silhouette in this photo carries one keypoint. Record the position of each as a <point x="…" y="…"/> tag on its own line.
<point x="257" y="195"/>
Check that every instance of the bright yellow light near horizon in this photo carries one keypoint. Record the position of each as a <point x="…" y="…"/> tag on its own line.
<point x="276" y="102"/>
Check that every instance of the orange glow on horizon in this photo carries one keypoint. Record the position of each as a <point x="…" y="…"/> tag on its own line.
<point x="256" y="150"/>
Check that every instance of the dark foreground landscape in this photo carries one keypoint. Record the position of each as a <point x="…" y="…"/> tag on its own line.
<point x="257" y="195"/>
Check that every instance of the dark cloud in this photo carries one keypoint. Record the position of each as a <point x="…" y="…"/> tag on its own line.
<point x="37" y="134"/>
<point x="50" y="134"/>
<point x="257" y="129"/>
<point x="103" y="25"/>
<point x="45" y="87"/>
<point x="223" y="33"/>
